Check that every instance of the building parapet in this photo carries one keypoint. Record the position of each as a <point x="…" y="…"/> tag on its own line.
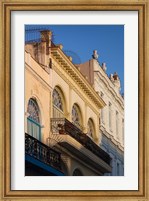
<point x="106" y="80"/>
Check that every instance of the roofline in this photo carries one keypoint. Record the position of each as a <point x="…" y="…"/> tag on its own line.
<point x="77" y="76"/>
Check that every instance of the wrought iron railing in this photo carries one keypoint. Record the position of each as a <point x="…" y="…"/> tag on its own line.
<point x="63" y="126"/>
<point x="78" y="125"/>
<point x="42" y="152"/>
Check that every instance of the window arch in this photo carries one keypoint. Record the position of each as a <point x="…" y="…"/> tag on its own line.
<point x="33" y="110"/>
<point x="58" y="103"/>
<point x="76" y="116"/>
<point x="77" y="172"/>
<point x="90" y="128"/>
<point x="33" y="120"/>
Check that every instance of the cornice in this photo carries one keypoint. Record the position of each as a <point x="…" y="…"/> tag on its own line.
<point x="45" y="68"/>
<point x="38" y="77"/>
<point x="107" y="83"/>
<point x="65" y="151"/>
<point x="108" y="98"/>
<point x="81" y="150"/>
<point x="62" y="75"/>
<point x="78" y="78"/>
<point x="111" y="138"/>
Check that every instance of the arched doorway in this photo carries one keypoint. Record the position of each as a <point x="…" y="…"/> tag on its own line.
<point x="58" y="103"/>
<point x="77" y="172"/>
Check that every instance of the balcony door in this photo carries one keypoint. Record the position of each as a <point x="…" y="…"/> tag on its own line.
<point x="76" y="116"/>
<point x="33" y="120"/>
<point x="58" y="106"/>
<point x="90" y="128"/>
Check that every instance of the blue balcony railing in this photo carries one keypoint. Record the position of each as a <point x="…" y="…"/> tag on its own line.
<point x="42" y="152"/>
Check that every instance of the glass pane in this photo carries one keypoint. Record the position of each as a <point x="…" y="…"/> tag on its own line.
<point x="33" y="110"/>
<point x="76" y="116"/>
<point x="57" y="100"/>
<point x="33" y="129"/>
<point x="90" y="128"/>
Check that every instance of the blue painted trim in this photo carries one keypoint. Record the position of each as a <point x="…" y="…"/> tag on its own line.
<point x="33" y="121"/>
<point x="37" y="124"/>
<point x="43" y="165"/>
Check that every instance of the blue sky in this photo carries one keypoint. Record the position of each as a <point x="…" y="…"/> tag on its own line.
<point x="108" y="40"/>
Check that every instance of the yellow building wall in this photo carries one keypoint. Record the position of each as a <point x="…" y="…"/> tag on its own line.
<point x="72" y="97"/>
<point x="39" y="85"/>
<point x="74" y="164"/>
<point x="37" y="88"/>
<point x="75" y="99"/>
<point x="95" y="118"/>
<point x="57" y="81"/>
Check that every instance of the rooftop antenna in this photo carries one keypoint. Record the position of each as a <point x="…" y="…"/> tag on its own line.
<point x="32" y="33"/>
<point x="75" y="58"/>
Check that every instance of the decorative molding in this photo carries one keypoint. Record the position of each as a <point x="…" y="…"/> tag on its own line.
<point x="66" y="78"/>
<point x="111" y="138"/>
<point x="44" y="67"/>
<point x="38" y="77"/>
<point x="75" y="144"/>
<point x="76" y="76"/>
<point x="113" y="92"/>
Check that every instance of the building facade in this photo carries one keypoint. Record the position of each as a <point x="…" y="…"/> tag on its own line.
<point x="112" y="115"/>
<point x="62" y="115"/>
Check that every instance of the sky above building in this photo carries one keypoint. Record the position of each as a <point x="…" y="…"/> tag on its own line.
<point x="80" y="41"/>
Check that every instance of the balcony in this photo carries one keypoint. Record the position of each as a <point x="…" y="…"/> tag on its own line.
<point x="42" y="152"/>
<point x="65" y="127"/>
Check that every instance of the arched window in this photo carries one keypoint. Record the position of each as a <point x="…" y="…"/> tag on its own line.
<point x="90" y="128"/>
<point x="33" y="120"/>
<point x="58" y="106"/>
<point x="77" y="172"/>
<point x="76" y="116"/>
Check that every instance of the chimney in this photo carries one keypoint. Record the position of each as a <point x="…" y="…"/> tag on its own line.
<point x="115" y="76"/>
<point x="45" y="47"/>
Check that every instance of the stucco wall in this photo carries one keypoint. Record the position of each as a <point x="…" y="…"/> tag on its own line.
<point x="116" y="106"/>
<point x="72" y="97"/>
<point x="39" y="84"/>
<point x="116" y="154"/>
<point x="36" y="90"/>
